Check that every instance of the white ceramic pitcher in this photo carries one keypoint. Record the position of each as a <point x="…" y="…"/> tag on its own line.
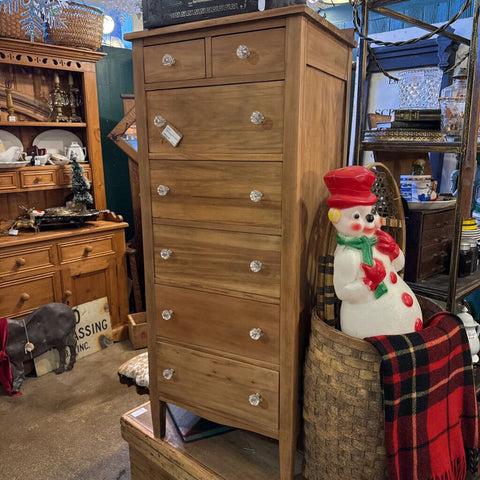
<point x="75" y="149"/>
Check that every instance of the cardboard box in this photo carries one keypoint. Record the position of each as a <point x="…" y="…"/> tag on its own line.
<point x="170" y="12"/>
<point x="137" y="329"/>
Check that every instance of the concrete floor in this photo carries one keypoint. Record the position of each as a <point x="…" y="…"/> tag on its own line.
<point x="67" y="426"/>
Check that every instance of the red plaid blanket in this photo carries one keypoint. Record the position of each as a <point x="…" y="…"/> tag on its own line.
<point x="430" y="406"/>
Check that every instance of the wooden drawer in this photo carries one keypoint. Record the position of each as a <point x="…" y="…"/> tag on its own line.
<point x="209" y="383"/>
<point x="216" y="119"/>
<point x="217" y="261"/>
<point x="18" y="297"/>
<point x="8" y="181"/>
<point x="189" y="57"/>
<point x="436" y="237"/>
<point x="439" y="220"/>
<point x="218" y="192"/>
<point x="38" y="178"/>
<point x="266" y="53"/>
<point x="434" y="260"/>
<point x="65" y="177"/>
<point x="20" y="261"/>
<point x="218" y="322"/>
<point x="85" y="248"/>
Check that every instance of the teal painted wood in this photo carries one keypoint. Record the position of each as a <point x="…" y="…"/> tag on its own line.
<point x="115" y="77"/>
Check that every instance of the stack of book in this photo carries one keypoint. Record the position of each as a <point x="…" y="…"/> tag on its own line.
<point x="408" y="125"/>
<point x="414" y="119"/>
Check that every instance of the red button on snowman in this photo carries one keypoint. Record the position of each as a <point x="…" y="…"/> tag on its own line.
<point x="375" y="300"/>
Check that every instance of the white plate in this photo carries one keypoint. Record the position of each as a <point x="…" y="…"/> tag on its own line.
<point x="10" y="140"/>
<point x="434" y="205"/>
<point x="14" y="164"/>
<point x="56" y="140"/>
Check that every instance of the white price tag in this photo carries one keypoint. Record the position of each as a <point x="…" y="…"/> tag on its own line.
<point x="171" y="135"/>
<point x="37" y="162"/>
<point x="138" y="412"/>
<point x="13" y="232"/>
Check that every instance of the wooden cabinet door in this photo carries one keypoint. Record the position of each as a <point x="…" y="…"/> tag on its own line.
<point x="88" y="280"/>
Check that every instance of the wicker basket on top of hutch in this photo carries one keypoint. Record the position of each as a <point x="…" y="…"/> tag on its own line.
<point x="71" y="265"/>
<point x="238" y="120"/>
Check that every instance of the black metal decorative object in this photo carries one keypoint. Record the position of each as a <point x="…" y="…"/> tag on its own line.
<point x="169" y="12"/>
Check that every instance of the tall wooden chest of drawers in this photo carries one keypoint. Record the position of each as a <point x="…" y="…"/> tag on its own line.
<point x="238" y="119"/>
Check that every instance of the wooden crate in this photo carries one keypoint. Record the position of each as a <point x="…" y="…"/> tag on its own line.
<point x="235" y="455"/>
<point x="137" y="329"/>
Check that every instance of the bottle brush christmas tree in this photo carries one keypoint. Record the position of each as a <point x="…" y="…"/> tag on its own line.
<point x="80" y="186"/>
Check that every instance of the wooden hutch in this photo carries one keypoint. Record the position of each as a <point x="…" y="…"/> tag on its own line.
<point x="71" y="265"/>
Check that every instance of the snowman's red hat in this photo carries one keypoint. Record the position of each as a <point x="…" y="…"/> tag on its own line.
<point x="350" y="186"/>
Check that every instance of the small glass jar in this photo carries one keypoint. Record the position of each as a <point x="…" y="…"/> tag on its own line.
<point x="452" y="105"/>
<point x="465" y="259"/>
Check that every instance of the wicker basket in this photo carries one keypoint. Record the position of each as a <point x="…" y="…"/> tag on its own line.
<point x="10" y="25"/>
<point x="342" y="412"/>
<point x="82" y="27"/>
<point x="342" y="409"/>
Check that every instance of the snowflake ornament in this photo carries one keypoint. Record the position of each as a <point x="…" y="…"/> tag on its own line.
<point x="35" y="14"/>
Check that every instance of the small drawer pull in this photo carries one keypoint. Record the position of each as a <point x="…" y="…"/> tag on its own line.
<point x="254" y="399"/>
<point x="168" y="60"/>
<point x="256" y="266"/>
<point x="36" y="179"/>
<point x="256" y="333"/>
<point x="165" y="253"/>
<point x="25" y="297"/>
<point x="243" y="52"/>
<point x="159" y="121"/>
<point x="20" y="262"/>
<point x="167" y="314"/>
<point x="88" y="249"/>
<point x="256" y="196"/>
<point x="68" y="293"/>
<point x="163" y="190"/>
<point x="168" y="373"/>
<point x="257" y="117"/>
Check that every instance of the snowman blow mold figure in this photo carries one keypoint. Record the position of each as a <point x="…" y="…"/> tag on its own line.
<point x="375" y="299"/>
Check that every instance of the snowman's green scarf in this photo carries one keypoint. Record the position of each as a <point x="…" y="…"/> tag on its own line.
<point x="365" y="245"/>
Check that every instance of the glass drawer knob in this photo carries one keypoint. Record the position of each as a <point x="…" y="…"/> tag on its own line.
<point x="256" y="266"/>
<point x="256" y="196"/>
<point x="165" y="253"/>
<point x="168" y="373"/>
<point x="255" y="399"/>
<point x="159" y="121"/>
<point x="162" y="190"/>
<point x="168" y="60"/>
<point x="243" y="52"/>
<point x="257" y="117"/>
<point x="167" y="314"/>
<point x="256" y="333"/>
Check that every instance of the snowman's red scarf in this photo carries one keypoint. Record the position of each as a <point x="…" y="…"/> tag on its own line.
<point x="430" y="407"/>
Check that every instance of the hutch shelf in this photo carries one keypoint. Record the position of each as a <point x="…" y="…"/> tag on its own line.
<point x="71" y="265"/>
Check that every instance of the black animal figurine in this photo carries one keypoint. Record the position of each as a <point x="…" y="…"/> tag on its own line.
<point x="50" y="326"/>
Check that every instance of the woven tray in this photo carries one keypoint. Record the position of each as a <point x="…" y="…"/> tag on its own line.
<point x="82" y="27"/>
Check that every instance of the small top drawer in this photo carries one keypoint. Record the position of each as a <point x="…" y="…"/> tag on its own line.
<point x="38" y="178"/>
<point x="249" y="53"/>
<point x="439" y="220"/>
<point x="8" y="181"/>
<point x="86" y="248"/>
<point x="175" y="61"/>
<point x="65" y="177"/>
<point x="18" y="261"/>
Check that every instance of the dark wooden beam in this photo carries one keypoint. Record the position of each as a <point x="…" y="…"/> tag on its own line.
<point x="418" y="23"/>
